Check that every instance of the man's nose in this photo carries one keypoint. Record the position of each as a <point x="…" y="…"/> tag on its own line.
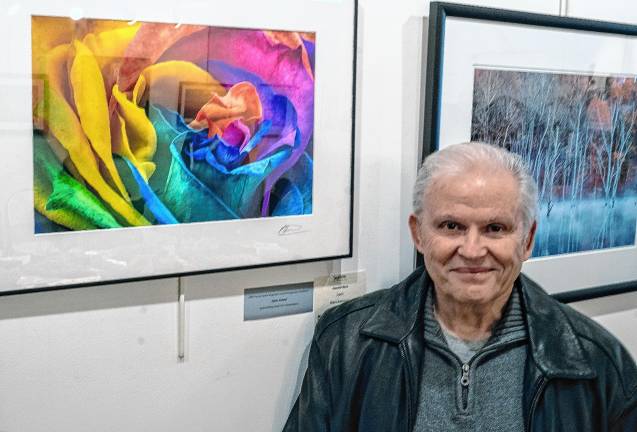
<point x="472" y="245"/>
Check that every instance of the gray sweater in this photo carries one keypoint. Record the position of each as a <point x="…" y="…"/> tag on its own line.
<point x="483" y="390"/>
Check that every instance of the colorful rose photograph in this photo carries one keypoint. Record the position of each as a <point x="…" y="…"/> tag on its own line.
<point x="141" y="123"/>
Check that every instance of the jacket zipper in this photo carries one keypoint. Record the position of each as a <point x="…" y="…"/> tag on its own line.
<point x="403" y="354"/>
<point x="466" y="369"/>
<point x="540" y="388"/>
<point x="464" y="382"/>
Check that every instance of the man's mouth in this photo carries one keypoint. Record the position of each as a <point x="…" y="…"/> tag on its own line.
<point x="472" y="270"/>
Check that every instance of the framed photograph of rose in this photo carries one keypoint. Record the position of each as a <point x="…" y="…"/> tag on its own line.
<point x="561" y="93"/>
<point x="179" y="146"/>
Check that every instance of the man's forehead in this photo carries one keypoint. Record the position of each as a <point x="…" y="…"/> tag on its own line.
<point x="492" y="192"/>
<point x="481" y="216"/>
<point x="474" y="171"/>
<point x="486" y="179"/>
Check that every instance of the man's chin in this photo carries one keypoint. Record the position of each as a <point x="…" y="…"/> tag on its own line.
<point x="476" y="290"/>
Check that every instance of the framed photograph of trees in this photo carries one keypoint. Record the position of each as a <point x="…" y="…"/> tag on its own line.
<point x="162" y="144"/>
<point x="562" y="93"/>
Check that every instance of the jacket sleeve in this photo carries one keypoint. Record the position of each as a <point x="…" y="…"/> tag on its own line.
<point x="311" y="412"/>
<point x="626" y="379"/>
<point x="628" y="420"/>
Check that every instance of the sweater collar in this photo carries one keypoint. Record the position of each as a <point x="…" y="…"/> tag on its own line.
<point x="554" y="345"/>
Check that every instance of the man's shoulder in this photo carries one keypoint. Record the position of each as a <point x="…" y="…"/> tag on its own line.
<point x="350" y="315"/>
<point x="604" y="349"/>
<point x="587" y="328"/>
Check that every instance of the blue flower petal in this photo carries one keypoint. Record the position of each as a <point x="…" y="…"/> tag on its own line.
<point x="290" y="200"/>
<point x="264" y="128"/>
<point x="157" y="208"/>
<point x="200" y="139"/>
<point x="227" y="156"/>
<point x="188" y="198"/>
<point x="309" y="47"/>
<point x="299" y="178"/>
<point x="241" y="189"/>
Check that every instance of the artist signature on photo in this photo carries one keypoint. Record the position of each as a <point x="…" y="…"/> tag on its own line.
<point x="290" y="229"/>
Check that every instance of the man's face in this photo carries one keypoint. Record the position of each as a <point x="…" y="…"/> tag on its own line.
<point x="471" y="235"/>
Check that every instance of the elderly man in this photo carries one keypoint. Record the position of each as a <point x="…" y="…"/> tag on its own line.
<point x="469" y="343"/>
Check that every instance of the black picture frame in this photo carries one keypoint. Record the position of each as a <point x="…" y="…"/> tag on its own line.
<point x="435" y="74"/>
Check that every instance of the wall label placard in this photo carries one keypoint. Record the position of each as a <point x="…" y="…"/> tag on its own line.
<point x="276" y="301"/>
<point x="335" y="289"/>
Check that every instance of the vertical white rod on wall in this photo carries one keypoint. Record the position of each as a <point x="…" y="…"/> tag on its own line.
<point x="563" y="7"/>
<point x="181" y="321"/>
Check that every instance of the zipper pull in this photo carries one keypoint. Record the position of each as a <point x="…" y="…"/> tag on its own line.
<point x="464" y="379"/>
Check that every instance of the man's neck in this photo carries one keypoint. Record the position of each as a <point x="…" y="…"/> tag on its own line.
<point x="469" y="322"/>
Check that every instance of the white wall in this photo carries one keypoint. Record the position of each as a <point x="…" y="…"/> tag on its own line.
<point x="105" y="358"/>
<point x="618" y="314"/>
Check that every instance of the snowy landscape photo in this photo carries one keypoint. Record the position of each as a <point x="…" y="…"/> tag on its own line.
<point x="577" y="133"/>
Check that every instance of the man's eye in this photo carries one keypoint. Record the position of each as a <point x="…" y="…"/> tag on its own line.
<point x="449" y="225"/>
<point x="495" y="228"/>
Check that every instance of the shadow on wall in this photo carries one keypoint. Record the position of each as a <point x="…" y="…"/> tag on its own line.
<point x="156" y="291"/>
<point x="284" y="404"/>
<point x="88" y="298"/>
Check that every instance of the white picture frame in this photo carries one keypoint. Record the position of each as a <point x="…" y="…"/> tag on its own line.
<point x="52" y="260"/>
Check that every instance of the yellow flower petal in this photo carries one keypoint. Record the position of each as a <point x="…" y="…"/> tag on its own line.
<point x="97" y="26"/>
<point x="66" y="128"/>
<point x="62" y="155"/>
<point x="159" y="84"/>
<point x="148" y="168"/>
<point x="140" y="88"/>
<point x="142" y="138"/>
<point x="92" y="107"/>
<point x="47" y="33"/>
<point x="145" y="167"/>
<point x="109" y="46"/>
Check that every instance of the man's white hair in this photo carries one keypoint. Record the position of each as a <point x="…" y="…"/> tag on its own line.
<point x="459" y="158"/>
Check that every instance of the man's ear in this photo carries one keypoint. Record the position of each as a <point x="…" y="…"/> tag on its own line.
<point x="416" y="235"/>
<point x="530" y="241"/>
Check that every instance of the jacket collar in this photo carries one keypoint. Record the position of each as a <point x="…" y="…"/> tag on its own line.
<point x="554" y="344"/>
<point x="398" y="313"/>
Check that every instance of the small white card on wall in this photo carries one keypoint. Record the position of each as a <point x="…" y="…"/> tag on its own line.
<point x="335" y="289"/>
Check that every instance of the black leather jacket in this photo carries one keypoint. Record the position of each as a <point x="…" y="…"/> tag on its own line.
<point x="364" y="367"/>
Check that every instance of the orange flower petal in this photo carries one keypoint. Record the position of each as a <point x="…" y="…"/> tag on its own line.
<point x="240" y="103"/>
